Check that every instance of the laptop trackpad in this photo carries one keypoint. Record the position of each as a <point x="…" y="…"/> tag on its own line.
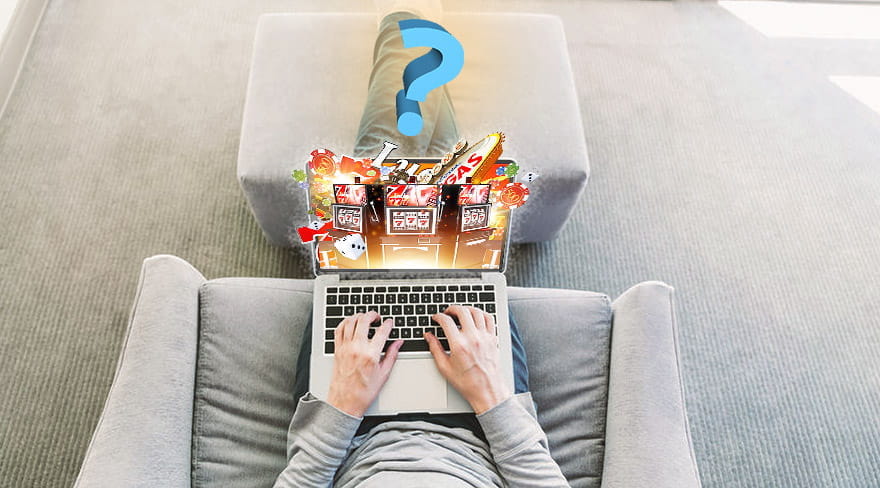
<point x="414" y="386"/>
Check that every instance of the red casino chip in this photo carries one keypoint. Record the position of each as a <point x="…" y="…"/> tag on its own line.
<point x="513" y="195"/>
<point x="322" y="162"/>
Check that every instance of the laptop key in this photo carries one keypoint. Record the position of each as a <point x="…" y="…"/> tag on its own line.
<point x="332" y="322"/>
<point x="465" y="287"/>
<point x="418" y="332"/>
<point x="360" y="309"/>
<point x="355" y="300"/>
<point x="413" y="298"/>
<point x="399" y="321"/>
<point x="380" y="289"/>
<point x="437" y="297"/>
<point x="404" y="288"/>
<point x="417" y="288"/>
<point x="420" y="310"/>
<point x="472" y="297"/>
<point x="424" y="321"/>
<point x="343" y="299"/>
<point x="487" y="297"/>
<point x="349" y="310"/>
<point x="402" y="298"/>
<point x="408" y="310"/>
<point x="329" y="334"/>
<point x="490" y="308"/>
<point x="392" y="289"/>
<point x="396" y="310"/>
<point x="379" y="299"/>
<point x="384" y="310"/>
<point x="368" y="299"/>
<point x="432" y="309"/>
<point x="431" y="330"/>
<point x="415" y="345"/>
<point x="331" y="299"/>
<point x="328" y="347"/>
<point x="426" y="298"/>
<point x="405" y="333"/>
<point x="332" y="289"/>
<point x="394" y="334"/>
<point x="429" y="288"/>
<point x="371" y="332"/>
<point x="333" y="311"/>
<point x="476" y="287"/>
<point x="452" y="288"/>
<point x="368" y="289"/>
<point x="391" y="299"/>
<point x="410" y="321"/>
<point x="448" y="297"/>
<point x="441" y="288"/>
<point x="343" y="290"/>
<point x="356" y="289"/>
<point x="459" y="297"/>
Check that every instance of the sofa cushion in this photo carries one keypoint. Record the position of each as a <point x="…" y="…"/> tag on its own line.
<point x="249" y="337"/>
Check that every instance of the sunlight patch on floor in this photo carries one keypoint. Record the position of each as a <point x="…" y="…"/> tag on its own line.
<point x="807" y="19"/>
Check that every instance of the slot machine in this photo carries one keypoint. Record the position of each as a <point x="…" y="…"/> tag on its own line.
<point x="411" y="239"/>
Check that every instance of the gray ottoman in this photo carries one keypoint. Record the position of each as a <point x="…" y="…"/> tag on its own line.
<point x="308" y="84"/>
<point x="203" y="392"/>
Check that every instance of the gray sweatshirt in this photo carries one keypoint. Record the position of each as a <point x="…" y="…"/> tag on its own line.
<point x="322" y="450"/>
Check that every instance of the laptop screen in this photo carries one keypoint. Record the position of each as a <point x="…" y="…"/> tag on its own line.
<point x="414" y="227"/>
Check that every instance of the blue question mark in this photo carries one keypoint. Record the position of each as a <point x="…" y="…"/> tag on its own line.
<point x="436" y="68"/>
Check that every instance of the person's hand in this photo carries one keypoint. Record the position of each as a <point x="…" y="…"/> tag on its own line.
<point x="358" y="370"/>
<point x="472" y="365"/>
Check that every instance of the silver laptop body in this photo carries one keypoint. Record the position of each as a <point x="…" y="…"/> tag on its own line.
<point x="415" y="384"/>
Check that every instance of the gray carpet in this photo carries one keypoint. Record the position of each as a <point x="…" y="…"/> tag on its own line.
<point x="724" y="163"/>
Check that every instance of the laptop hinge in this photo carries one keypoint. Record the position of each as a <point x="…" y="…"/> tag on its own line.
<point x="418" y="275"/>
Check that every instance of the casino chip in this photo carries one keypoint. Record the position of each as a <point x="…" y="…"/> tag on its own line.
<point x="322" y="162"/>
<point x="513" y="195"/>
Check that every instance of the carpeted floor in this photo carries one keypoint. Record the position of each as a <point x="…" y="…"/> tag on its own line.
<point x="724" y="163"/>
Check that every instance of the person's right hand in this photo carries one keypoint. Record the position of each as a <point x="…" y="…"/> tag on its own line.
<point x="472" y="365"/>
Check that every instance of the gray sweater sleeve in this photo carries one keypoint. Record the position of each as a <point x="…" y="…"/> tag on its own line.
<point x="317" y="443"/>
<point x="519" y="445"/>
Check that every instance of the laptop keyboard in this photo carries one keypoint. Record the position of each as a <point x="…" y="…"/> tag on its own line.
<point x="411" y="307"/>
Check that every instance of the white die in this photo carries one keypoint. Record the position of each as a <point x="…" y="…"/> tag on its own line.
<point x="351" y="246"/>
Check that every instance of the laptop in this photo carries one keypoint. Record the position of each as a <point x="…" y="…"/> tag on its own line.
<point x="409" y="251"/>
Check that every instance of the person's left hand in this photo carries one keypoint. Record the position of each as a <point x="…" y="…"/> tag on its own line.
<point x="358" y="370"/>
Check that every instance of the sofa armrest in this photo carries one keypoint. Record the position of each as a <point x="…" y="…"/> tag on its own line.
<point x="144" y="435"/>
<point x="647" y="436"/>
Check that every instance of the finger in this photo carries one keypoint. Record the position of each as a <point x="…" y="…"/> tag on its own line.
<point x="448" y="325"/>
<point x="390" y="357"/>
<point x="339" y="332"/>
<point x="439" y="354"/>
<point x="346" y="328"/>
<point x="490" y="323"/>
<point x="363" y="324"/>
<point x="463" y="316"/>
<point x="382" y="334"/>
<point x="477" y="316"/>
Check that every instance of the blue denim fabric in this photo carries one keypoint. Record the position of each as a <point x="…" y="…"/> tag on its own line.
<point x="465" y="420"/>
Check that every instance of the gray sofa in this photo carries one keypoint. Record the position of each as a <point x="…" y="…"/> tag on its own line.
<point x="202" y="392"/>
